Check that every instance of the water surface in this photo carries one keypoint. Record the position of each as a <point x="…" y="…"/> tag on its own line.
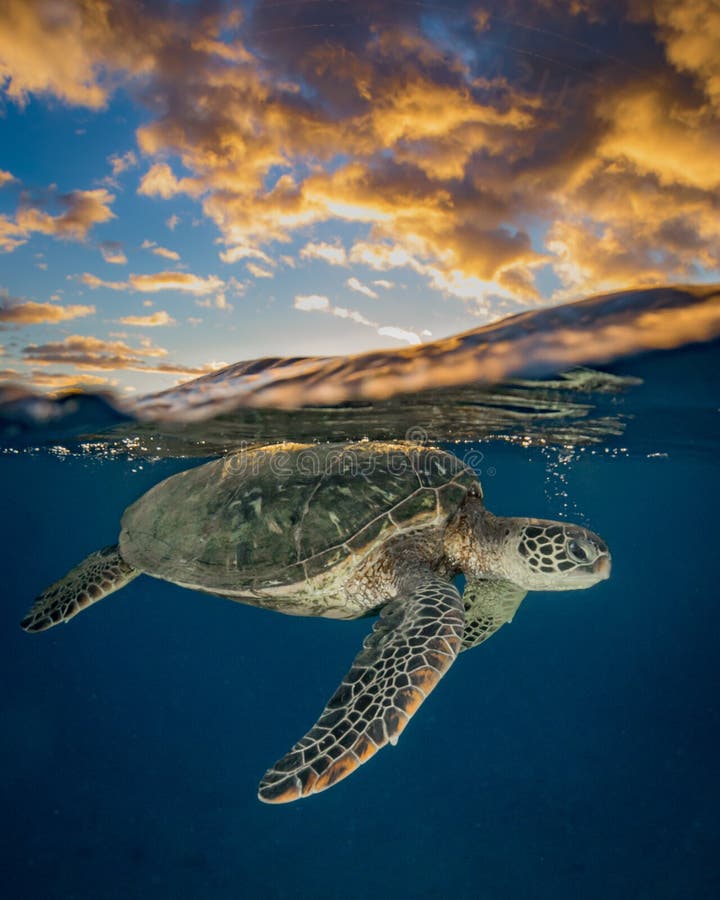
<point x="572" y="755"/>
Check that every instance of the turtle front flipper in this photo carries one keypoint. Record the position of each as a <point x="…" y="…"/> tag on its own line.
<point x="411" y="646"/>
<point x="100" y="574"/>
<point x="488" y="606"/>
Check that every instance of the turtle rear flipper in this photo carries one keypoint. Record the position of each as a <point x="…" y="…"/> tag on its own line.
<point x="413" y="643"/>
<point x="100" y="574"/>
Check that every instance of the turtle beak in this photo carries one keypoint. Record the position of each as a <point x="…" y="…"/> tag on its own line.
<point x="602" y="566"/>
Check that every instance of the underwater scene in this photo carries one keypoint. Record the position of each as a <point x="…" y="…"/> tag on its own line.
<point x="359" y="449"/>
<point x="572" y="753"/>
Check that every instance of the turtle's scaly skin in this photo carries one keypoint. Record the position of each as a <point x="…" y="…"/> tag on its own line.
<point x="412" y="645"/>
<point x="100" y="574"/>
<point x="293" y="527"/>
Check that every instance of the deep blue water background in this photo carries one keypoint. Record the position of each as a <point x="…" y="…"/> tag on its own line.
<point x="573" y="755"/>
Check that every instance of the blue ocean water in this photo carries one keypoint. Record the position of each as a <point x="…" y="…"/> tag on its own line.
<point x="572" y="755"/>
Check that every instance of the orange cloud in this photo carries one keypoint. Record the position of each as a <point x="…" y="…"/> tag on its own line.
<point x="17" y="312"/>
<point x="112" y="252"/>
<point x="65" y="381"/>
<point x="439" y="127"/>
<point x="243" y="251"/>
<point x="160" y="251"/>
<point x="634" y="231"/>
<point x="68" y="49"/>
<point x="330" y="253"/>
<point x="657" y="136"/>
<point x="121" y="162"/>
<point x="92" y="281"/>
<point x="176" y="281"/>
<point x="166" y="254"/>
<point x="159" y="281"/>
<point x="258" y="271"/>
<point x="152" y="321"/>
<point x="82" y="210"/>
<point x="57" y="381"/>
<point x="691" y="32"/>
<point x="12" y="235"/>
<point x="159" y="181"/>
<point x="46" y="51"/>
<point x="445" y="153"/>
<point x="95" y="354"/>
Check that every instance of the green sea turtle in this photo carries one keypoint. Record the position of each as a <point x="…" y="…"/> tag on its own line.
<point x="342" y="531"/>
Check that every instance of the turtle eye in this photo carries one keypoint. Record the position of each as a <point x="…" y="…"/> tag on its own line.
<point x="577" y="552"/>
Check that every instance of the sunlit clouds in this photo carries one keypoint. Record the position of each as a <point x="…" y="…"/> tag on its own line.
<point x="160" y="251"/>
<point x="158" y="281"/>
<point x="690" y="31"/>
<point x="319" y="303"/>
<point x="15" y="312"/>
<point x="151" y="321"/>
<point x="69" y="216"/>
<point x="159" y="181"/>
<point x="112" y="252"/>
<point x="356" y="285"/>
<point x="121" y="162"/>
<point x="334" y="254"/>
<point x="59" y="381"/>
<point x="96" y="354"/>
<point x="312" y="302"/>
<point x="400" y="168"/>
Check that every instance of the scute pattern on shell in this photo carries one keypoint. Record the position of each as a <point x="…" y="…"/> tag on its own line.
<point x="279" y="515"/>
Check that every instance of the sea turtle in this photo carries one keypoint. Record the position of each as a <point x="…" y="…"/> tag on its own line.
<point x="342" y="531"/>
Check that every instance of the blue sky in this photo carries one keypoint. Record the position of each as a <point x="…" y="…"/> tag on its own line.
<point x="186" y="185"/>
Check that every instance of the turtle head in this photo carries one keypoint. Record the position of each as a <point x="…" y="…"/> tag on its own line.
<point x="540" y="555"/>
<point x="535" y="554"/>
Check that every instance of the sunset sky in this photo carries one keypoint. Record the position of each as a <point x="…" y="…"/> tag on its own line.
<point x="184" y="185"/>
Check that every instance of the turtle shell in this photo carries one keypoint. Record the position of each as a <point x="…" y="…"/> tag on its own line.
<point x="280" y="515"/>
